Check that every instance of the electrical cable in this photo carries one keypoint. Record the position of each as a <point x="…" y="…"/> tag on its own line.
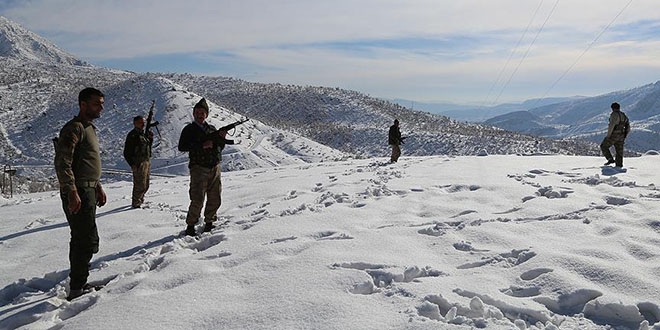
<point x="513" y="51"/>
<point x="585" y="51"/>
<point x="528" y="49"/>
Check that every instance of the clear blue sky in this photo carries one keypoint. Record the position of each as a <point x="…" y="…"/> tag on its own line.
<point x="467" y="51"/>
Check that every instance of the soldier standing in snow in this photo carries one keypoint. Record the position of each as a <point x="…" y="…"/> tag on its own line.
<point x="78" y="167"/>
<point x="137" y="152"/>
<point x="204" y="144"/>
<point x="617" y="131"/>
<point x="395" y="139"/>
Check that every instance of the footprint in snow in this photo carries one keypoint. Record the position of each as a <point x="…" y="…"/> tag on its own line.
<point x="466" y="247"/>
<point x="508" y="259"/>
<point x="331" y="235"/>
<point x="611" y="200"/>
<point x="464" y="213"/>
<point x="534" y="273"/>
<point x="291" y="195"/>
<point x="521" y="292"/>
<point x="515" y="209"/>
<point x="280" y="240"/>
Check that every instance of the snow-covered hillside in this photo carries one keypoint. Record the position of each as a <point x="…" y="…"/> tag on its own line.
<point x="587" y="118"/>
<point x="357" y="123"/>
<point x="289" y="124"/>
<point x="34" y="110"/>
<point x="495" y="242"/>
<point x="18" y="43"/>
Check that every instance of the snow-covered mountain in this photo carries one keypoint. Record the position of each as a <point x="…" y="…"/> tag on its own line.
<point x="587" y="118"/>
<point x="18" y="43"/>
<point x="289" y="124"/>
<point x="479" y="114"/>
<point x="33" y="111"/>
<point x="357" y="123"/>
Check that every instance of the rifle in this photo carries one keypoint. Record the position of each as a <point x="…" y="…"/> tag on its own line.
<point x="404" y="137"/>
<point x="233" y="125"/>
<point x="150" y="123"/>
<point x="215" y="136"/>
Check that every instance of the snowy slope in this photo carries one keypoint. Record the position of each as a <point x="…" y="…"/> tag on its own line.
<point x="357" y="123"/>
<point x="32" y="111"/>
<point x="496" y="242"/>
<point x="19" y="43"/>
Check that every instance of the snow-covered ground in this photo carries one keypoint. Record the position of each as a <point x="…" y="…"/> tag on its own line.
<point x="495" y="242"/>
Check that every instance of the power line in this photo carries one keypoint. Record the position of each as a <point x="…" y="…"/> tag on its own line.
<point x="586" y="50"/>
<point x="528" y="49"/>
<point x="513" y="51"/>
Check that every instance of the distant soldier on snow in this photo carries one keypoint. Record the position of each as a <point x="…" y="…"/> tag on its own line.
<point x="204" y="144"/>
<point x="617" y="131"/>
<point x="395" y="139"/>
<point x="78" y="168"/>
<point x="137" y="152"/>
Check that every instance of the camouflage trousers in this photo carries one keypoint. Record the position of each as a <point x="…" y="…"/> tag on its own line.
<point x="140" y="182"/>
<point x="617" y="142"/>
<point x="396" y="153"/>
<point x="84" y="235"/>
<point x="204" y="183"/>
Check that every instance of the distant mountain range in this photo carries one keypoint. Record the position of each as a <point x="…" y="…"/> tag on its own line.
<point x="578" y="117"/>
<point x="289" y="124"/>
<point x="478" y="114"/>
<point x="587" y="118"/>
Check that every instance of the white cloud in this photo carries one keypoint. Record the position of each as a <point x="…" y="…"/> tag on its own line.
<point x="309" y="42"/>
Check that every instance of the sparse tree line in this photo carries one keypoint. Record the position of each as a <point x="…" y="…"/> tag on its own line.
<point x="354" y="122"/>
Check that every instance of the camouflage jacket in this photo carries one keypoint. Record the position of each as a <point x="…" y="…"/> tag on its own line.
<point x="137" y="147"/>
<point x="619" y="125"/>
<point x="77" y="155"/>
<point x="191" y="140"/>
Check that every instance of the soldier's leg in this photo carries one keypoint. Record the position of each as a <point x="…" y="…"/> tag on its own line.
<point x="618" y="148"/>
<point x="605" y="148"/>
<point x="140" y="183"/>
<point x="213" y="197"/>
<point x="84" y="236"/>
<point x="396" y="152"/>
<point x="198" y="182"/>
<point x="147" y="177"/>
<point x="136" y="186"/>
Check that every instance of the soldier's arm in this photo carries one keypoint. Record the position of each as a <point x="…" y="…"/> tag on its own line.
<point x="613" y="121"/>
<point x="129" y="146"/>
<point x="67" y="142"/>
<point x="101" y="198"/>
<point x="186" y="140"/>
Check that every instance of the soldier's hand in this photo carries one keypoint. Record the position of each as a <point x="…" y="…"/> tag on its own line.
<point x="74" y="202"/>
<point x="101" y="198"/>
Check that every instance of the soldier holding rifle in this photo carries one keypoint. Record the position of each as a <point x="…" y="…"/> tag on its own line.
<point x="204" y="144"/>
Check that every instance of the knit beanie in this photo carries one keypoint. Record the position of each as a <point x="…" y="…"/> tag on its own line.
<point x="202" y="104"/>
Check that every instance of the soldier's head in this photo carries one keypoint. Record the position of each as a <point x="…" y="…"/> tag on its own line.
<point x="396" y="122"/>
<point x="615" y="106"/>
<point x="90" y="102"/>
<point x="201" y="111"/>
<point x="138" y="122"/>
